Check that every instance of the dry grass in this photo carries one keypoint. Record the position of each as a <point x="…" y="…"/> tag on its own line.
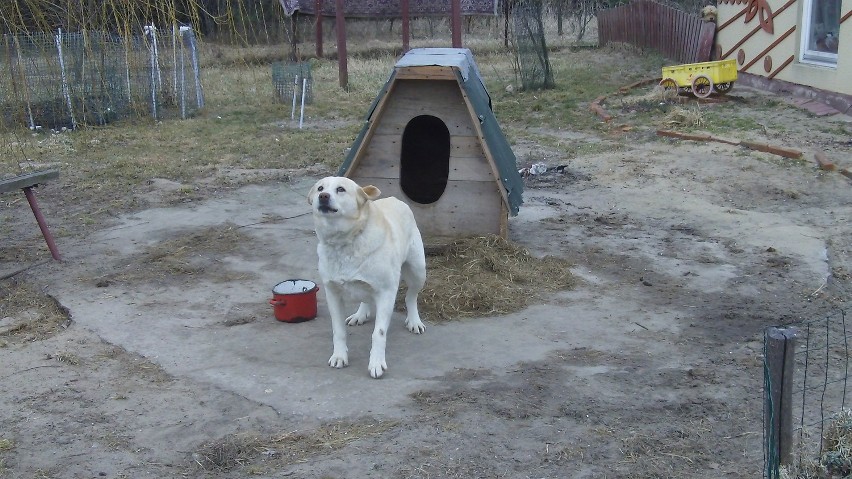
<point x="188" y="254"/>
<point x="66" y="357"/>
<point x="488" y="275"/>
<point x="28" y="314"/>
<point x="657" y="454"/>
<point x="135" y="365"/>
<point x="837" y="442"/>
<point x="684" y="117"/>
<point x="656" y="95"/>
<point x="836" y="459"/>
<point x="241" y="450"/>
<point x="5" y="445"/>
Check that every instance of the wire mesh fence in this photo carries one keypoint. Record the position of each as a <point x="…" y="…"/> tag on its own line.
<point x="64" y="80"/>
<point x="533" y="60"/>
<point x="816" y="439"/>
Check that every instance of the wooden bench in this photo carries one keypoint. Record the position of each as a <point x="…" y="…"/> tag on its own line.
<point x="27" y="182"/>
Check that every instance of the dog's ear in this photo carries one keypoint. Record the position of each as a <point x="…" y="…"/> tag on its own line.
<point x="311" y="194"/>
<point x="371" y="192"/>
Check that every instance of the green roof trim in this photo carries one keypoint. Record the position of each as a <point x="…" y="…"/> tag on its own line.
<point x="468" y="76"/>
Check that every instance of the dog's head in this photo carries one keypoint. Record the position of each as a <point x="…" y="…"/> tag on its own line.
<point x="709" y="13"/>
<point x="339" y="197"/>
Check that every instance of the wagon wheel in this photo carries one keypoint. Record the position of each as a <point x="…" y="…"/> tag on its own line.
<point x="669" y="87"/>
<point x="702" y="86"/>
<point x="724" y="87"/>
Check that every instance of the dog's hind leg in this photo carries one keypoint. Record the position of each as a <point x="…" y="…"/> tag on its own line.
<point x="361" y="316"/>
<point x="414" y="275"/>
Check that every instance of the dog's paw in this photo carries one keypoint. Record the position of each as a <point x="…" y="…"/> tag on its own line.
<point x="357" y="319"/>
<point x="338" y="361"/>
<point x="415" y="325"/>
<point x="377" y="367"/>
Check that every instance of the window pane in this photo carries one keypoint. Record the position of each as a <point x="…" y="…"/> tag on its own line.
<point x="824" y="26"/>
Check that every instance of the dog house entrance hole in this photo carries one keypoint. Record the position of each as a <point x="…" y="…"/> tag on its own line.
<point x="425" y="159"/>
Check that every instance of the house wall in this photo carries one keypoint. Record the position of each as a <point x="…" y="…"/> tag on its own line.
<point x="471" y="203"/>
<point x="768" y="44"/>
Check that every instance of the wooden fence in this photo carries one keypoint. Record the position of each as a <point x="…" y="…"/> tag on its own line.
<point x="676" y="34"/>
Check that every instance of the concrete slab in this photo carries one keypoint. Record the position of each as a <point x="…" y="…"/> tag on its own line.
<point x="189" y="327"/>
<point x="185" y="328"/>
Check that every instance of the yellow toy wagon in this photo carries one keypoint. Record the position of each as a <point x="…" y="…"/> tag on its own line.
<point x="700" y="78"/>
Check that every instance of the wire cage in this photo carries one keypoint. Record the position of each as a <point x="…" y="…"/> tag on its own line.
<point x="288" y="79"/>
<point x="63" y="80"/>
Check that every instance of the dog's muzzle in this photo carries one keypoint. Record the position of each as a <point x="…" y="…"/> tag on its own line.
<point x="324" y="203"/>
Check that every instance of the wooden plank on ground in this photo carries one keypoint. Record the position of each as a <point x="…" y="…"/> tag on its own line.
<point x="823" y="161"/>
<point x="684" y="136"/>
<point x="775" y="150"/>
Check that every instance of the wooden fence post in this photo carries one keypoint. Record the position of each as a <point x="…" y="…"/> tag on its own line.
<point x="780" y="344"/>
<point x="318" y="29"/>
<point x="455" y="22"/>
<point x="342" y="65"/>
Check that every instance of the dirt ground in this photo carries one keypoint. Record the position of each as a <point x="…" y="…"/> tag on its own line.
<point x="160" y="357"/>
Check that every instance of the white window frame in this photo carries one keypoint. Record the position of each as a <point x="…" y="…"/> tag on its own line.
<point x="806" y="54"/>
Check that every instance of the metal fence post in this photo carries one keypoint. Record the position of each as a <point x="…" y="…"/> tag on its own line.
<point x="196" y="70"/>
<point x="151" y="32"/>
<point x="779" y="350"/>
<point x="65" y="90"/>
<point x="178" y="37"/>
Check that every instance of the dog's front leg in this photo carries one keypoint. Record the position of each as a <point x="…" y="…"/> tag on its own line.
<point x="384" y="310"/>
<point x="340" y="357"/>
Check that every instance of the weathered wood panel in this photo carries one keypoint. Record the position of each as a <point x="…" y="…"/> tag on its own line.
<point x="467" y="159"/>
<point x="471" y="168"/>
<point x="443" y="100"/>
<point x="466" y="207"/>
<point x="647" y="24"/>
<point x="426" y="73"/>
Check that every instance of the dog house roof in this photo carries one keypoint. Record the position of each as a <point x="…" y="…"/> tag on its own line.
<point x="469" y="78"/>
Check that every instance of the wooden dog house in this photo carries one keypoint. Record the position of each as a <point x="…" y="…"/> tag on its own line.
<point x="431" y="140"/>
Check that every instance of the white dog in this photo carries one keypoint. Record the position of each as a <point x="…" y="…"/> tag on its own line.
<point x="365" y="246"/>
<point x="709" y="13"/>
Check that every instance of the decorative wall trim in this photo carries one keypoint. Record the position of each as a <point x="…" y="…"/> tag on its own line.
<point x="756" y="29"/>
<point x="784" y="65"/>
<point x="769" y="48"/>
<point x="761" y="9"/>
<point x="732" y="19"/>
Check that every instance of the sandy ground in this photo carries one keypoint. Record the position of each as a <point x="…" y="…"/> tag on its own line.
<point x="173" y="366"/>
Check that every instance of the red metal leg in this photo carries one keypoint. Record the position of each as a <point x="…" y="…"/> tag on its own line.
<point x="42" y="223"/>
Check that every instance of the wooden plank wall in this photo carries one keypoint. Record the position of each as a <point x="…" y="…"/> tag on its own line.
<point x="466" y="208"/>
<point x="647" y="24"/>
